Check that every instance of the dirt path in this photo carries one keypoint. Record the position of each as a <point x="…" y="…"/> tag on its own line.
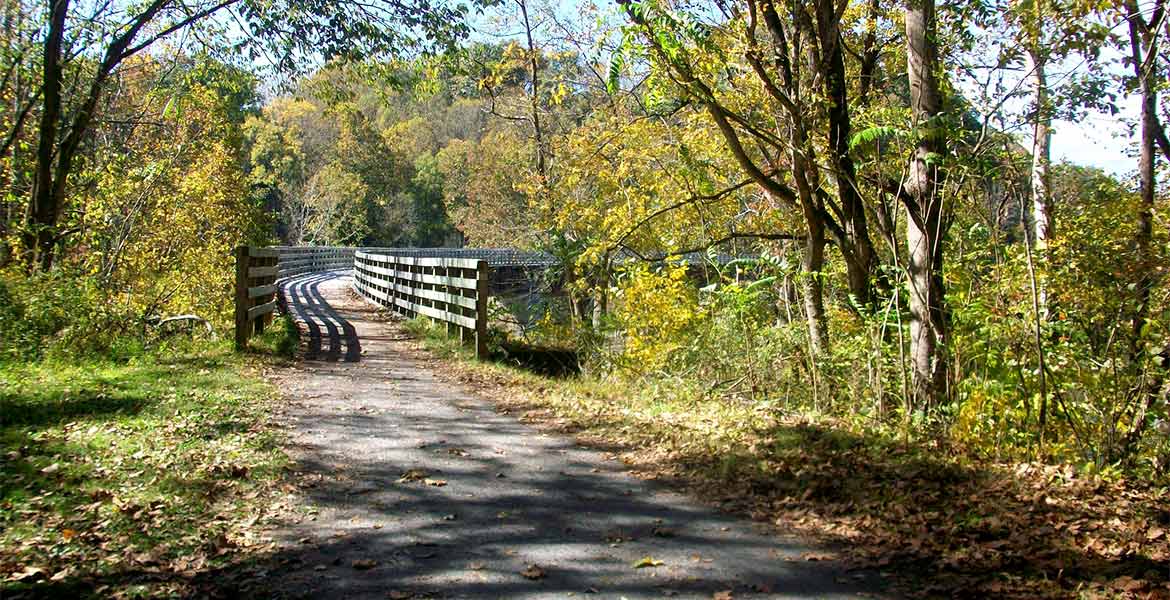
<point x="422" y="490"/>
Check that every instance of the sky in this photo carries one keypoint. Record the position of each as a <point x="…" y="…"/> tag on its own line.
<point x="1098" y="140"/>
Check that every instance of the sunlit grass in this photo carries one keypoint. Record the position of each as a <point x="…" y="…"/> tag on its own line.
<point x="111" y="468"/>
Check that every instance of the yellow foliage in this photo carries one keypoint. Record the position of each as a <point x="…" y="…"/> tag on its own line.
<point x="165" y="214"/>
<point x="656" y="309"/>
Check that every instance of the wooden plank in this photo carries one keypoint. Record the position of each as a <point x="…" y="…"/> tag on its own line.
<point x="256" y="272"/>
<point x="450" y="263"/>
<point x="262" y="290"/>
<point x="242" y="301"/>
<point x="455" y="299"/>
<point x="255" y="252"/>
<point x="465" y="283"/>
<point x="261" y="310"/>
<point x="481" y="311"/>
<point x="414" y="307"/>
<point x="459" y="282"/>
<point x="443" y="315"/>
<point x="296" y="261"/>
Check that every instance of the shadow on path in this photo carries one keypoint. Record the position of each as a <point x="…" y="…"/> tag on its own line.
<point x="414" y="487"/>
<point x="330" y="337"/>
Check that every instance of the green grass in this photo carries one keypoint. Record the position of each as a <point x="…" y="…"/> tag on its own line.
<point x="124" y="478"/>
<point x="279" y="340"/>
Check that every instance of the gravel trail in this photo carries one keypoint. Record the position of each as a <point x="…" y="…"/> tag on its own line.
<point x="420" y="489"/>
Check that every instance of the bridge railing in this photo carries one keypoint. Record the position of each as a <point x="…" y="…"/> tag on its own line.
<point x="256" y="274"/>
<point x="259" y="268"/>
<point x="299" y="260"/>
<point x="453" y="291"/>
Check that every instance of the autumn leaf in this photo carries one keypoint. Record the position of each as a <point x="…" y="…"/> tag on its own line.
<point x="413" y="475"/>
<point x="647" y="561"/>
<point x="533" y="572"/>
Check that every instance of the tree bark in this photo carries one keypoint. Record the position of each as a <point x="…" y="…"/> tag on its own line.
<point x="925" y="225"/>
<point x="44" y="208"/>
<point x="812" y="286"/>
<point x="860" y="257"/>
<point x="1043" y="220"/>
<point x="534" y="99"/>
<point x="1141" y="38"/>
<point x="870" y="51"/>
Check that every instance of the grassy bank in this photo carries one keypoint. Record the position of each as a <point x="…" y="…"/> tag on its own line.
<point x="935" y="521"/>
<point x="132" y="478"/>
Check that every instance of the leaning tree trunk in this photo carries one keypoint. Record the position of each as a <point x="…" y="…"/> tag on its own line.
<point x="925" y="223"/>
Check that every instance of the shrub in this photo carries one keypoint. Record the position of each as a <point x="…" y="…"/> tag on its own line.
<point x="63" y="315"/>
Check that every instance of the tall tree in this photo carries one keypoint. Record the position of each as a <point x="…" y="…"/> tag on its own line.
<point x="926" y="222"/>
<point x="290" y="31"/>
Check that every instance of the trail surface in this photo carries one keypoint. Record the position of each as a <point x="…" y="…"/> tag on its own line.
<point x="422" y="490"/>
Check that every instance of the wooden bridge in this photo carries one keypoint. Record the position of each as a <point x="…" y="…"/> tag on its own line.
<point x="447" y="285"/>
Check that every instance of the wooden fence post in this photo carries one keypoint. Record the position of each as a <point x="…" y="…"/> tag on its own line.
<point x="481" y="310"/>
<point x="242" y="300"/>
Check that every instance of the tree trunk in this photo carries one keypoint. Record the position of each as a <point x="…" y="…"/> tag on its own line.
<point x="1043" y="220"/>
<point x="860" y="257"/>
<point x="826" y="60"/>
<point x="1146" y="72"/>
<point x="1145" y="69"/>
<point x="812" y="286"/>
<point x="534" y="99"/>
<point x="44" y="207"/>
<point x="870" y="52"/>
<point x="925" y="225"/>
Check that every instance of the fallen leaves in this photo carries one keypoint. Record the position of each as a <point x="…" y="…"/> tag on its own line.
<point x="27" y="574"/>
<point x="364" y="564"/>
<point x="647" y="561"/>
<point x="413" y="475"/>
<point x="141" y="500"/>
<point x="419" y="475"/>
<point x="533" y="572"/>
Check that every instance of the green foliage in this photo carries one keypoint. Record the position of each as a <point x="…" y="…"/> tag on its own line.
<point x="63" y="315"/>
<point x="280" y="339"/>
